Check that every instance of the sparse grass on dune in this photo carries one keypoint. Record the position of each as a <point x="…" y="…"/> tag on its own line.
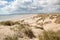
<point x="50" y="35"/>
<point x="11" y="38"/>
<point x="52" y="16"/>
<point x="7" y="23"/>
<point x="29" y="33"/>
<point x="57" y="21"/>
<point x="23" y="29"/>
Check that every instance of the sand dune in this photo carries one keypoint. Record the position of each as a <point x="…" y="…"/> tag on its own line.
<point x="31" y="27"/>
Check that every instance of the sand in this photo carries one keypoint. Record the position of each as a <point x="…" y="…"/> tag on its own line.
<point x="37" y="27"/>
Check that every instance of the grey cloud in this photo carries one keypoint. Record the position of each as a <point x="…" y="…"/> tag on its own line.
<point x="34" y="7"/>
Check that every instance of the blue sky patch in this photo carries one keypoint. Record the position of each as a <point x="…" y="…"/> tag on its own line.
<point x="9" y="0"/>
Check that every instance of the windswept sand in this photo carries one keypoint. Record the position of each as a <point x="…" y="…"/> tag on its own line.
<point x="36" y="22"/>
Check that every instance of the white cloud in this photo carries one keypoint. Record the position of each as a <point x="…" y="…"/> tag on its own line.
<point x="3" y="3"/>
<point x="31" y="6"/>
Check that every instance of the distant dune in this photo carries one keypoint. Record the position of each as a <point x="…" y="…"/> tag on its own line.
<point x="30" y="27"/>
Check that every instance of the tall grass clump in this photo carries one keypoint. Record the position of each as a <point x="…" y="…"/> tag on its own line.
<point x="29" y="33"/>
<point x="11" y="38"/>
<point x="7" y="23"/>
<point x="50" y="35"/>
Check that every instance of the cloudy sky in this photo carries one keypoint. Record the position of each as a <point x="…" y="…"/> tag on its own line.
<point x="29" y="6"/>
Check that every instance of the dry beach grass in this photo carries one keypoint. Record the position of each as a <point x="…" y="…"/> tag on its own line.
<point x="37" y="27"/>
